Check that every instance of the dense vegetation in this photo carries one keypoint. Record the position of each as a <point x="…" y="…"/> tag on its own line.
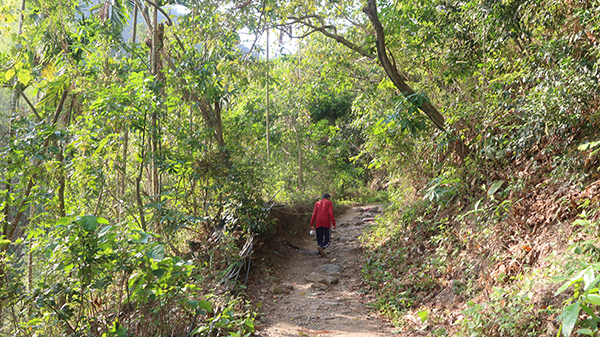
<point x="140" y="159"/>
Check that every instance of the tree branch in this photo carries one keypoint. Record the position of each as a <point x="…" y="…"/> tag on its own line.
<point x="29" y="103"/>
<point x="459" y="147"/>
<point x="329" y="31"/>
<point x="347" y="17"/>
<point x="392" y="71"/>
<point x="169" y="22"/>
<point x="144" y="15"/>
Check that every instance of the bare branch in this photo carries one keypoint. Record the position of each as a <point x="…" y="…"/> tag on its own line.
<point x="329" y="31"/>
<point x="347" y="17"/>
<point x="241" y="6"/>
<point x="262" y="15"/>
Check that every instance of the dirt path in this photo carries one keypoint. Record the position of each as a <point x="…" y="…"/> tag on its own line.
<point x="314" y="296"/>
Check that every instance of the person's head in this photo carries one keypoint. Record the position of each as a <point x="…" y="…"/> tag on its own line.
<point x="325" y="196"/>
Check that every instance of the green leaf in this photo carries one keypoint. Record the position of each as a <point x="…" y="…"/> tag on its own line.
<point x="588" y="311"/>
<point x="140" y="237"/>
<point x="63" y="221"/>
<point x="249" y="324"/>
<point x="23" y="208"/>
<point x="585" y="331"/>
<point x="476" y="207"/>
<point x="193" y="303"/>
<point x="102" y="221"/>
<point x="156" y="252"/>
<point x="9" y="74"/>
<point x="592" y="285"/>
<point x="581" y="222"/>
<point x="563" y="287"/>
<point x="88" y="222"/>
<point x="205" y="305"/>
<point x="593" y="298"/>
<point x="588" y="278"/>
<point x="569" y="318"/>
<point x="101" y="145"/>
<point x="494" y="188"/>
<point x="577" y="278"/>
<point x="158" y="272"/>
<point x="104" y="230"/>
<point x="24" y="76"/>
<point x="423" y="315"/>
<point x="4" y="242"/>
<point x="582" y="147"/>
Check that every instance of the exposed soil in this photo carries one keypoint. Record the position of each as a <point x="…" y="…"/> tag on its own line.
<point x="332" y="303"/>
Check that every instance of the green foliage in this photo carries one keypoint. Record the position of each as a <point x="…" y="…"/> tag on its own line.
<point x="441" y="189"/>
<point x="181" y="154"/>
<point x="92" y="269"/>
<point x="330" y="107"/>
<point x="99" y="125"/>
<point x="227" y="320"/>
<point x="581" y="273"/>
<point x="585" y="297"/>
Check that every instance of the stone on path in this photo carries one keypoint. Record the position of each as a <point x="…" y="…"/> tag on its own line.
<point x="372" y="209"/>
<point x="281" y="289"/>
<point x="324" y="279"/>
<point x="331" y="269"/>
<point x="272" y="279"/>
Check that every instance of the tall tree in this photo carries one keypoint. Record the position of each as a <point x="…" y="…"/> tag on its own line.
<point x="316" y="23"/>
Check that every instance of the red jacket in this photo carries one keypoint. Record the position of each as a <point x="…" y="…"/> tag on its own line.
<point x="323" y="214"/>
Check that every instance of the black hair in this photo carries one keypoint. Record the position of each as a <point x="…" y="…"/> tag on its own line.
<point x="325" y="196"/>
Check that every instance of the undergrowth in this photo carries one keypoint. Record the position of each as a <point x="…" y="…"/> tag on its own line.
<point x="461" y="259"/>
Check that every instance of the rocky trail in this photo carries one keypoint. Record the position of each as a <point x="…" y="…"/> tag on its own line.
<point x="309" y="295"/>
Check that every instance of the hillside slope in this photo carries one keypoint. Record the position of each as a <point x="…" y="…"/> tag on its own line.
<point x="487" y="259"/>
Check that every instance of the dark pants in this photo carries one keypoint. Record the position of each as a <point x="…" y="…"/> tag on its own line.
<point x="323" y="236"/>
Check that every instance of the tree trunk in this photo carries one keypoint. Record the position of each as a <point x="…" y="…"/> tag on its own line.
<point x="8" y="188"/>
<point x="138" y="180"/>
<point x="299" y="147"/>
<point x="217" y="124"/>
<point x="154" y="118"/>
<point x="154" y="140"/>
<point x="121" y="188"/>
<point x="267" y="100"/>
<point x="13" y="104"/>
<point x="134" y="28"/>
<point x="392" y="71"/>
<point x="61" y="183"/>
<point x="6" y="223"/>
<point x="212" y="118"/>
<point x="154" y="49"/>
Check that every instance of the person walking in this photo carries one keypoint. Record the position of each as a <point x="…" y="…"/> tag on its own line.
<point x="322" y="221"/>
